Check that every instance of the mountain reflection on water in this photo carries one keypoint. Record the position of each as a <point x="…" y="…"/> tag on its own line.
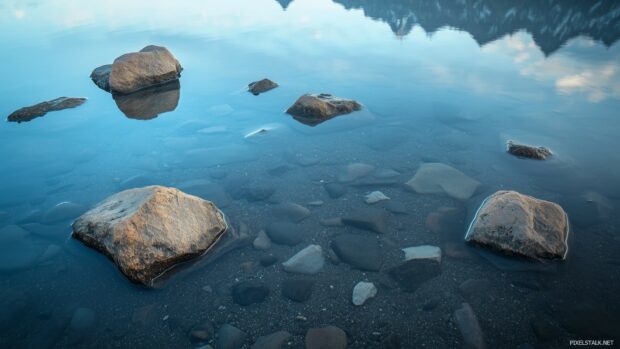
<point x="551" y="22"/>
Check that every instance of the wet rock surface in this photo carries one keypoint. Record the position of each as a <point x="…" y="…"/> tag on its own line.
<point x="326" y="337"/>
<point x="361" y="252"/>
<point x="28" y="113"/>
<point x="528" y="151"/>
<point x="412" y="273"/>
<point x="522" y="225"/>
<point x="248" y="293"/>
<point x="261" y="86"/>
<point x="313" y="109"/>
<point x="370" y="219"/>
<point x="310" y="260"/>
<point x="101" y="76"/>
<point x="284" y="233"/>
<point x="230" y="337"/>
<point x="467" y="323"/>
<point x="147" y="230"/>
<point x="151" y="66"/>
<point x="438" y="178"/>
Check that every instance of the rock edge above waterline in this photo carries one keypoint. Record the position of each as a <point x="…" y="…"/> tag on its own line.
<point x="517" y="224"/>
<point x="146" y="231"/>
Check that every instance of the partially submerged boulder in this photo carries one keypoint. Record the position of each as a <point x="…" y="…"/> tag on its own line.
<point x="260" y="86"/>
<point x="528" y="151"/>
<point x="151" y="66"/>
<point x="101" y="76"/>
<point x="145" y="231"/>
<point x="40" y="109"/>
<point x="518" y="224"/>
<point x="313" y="109"/>
<point x="438" y="178"/>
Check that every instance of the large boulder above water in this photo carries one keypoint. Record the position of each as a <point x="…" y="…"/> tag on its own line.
<point x="147" y="230"/>
<point x="518" y="224"/>
<point x="28" y="113"/>
<point x="312" y="109"/>
<point x="151" y="66"/>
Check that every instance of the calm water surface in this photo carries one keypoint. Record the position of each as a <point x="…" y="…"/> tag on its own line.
<point x="440" y="81"/>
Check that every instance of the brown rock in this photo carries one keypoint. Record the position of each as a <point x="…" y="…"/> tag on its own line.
<point x="518" y="224"/>
<point x="527" y="151"/>
<point x="147" y="230"/>
<point x="329" y="337"/>
<point x="153" y="65"/>
<point x="313" y="109"/>
<point x="264" y="85"/>
<point x="37" y="110"/>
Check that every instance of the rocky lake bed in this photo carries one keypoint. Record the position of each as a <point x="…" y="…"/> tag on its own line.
<point x="248" y="213"/>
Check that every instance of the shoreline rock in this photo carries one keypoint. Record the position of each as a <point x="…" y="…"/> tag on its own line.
<point x="145" y="231"/>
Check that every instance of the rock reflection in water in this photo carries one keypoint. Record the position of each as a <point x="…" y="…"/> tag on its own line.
<point x="149" y="103"/>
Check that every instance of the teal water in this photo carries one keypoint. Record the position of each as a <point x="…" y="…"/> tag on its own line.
<point x="439" y="82"/>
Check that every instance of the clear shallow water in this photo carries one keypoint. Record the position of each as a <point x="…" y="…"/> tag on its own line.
<point x="441" y="83"/>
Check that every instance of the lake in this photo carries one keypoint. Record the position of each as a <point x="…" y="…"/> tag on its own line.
<point x="440" y="82"/>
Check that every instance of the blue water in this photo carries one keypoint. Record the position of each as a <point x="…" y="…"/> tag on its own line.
<point x="439" y="82"/>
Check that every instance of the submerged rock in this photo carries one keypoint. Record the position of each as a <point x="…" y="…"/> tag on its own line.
<point x="101" y="76"/>
<point x="354" y="171"/>
<point x="260" y="86"/>
<point x="423" y="252"/>
<point x="326" y="337"/>
<point x="153" y="65"/>
<point x="202" y="332"/>
<point x="291" y="212"/>
<point x="360" y="252"/>
<point x="528" y="151"/>
<point x="246" y="293"/>
<point x="284" y="233"/>
<point x="28" y="113"/>
<point x="362" y="292"/>
<point x="335" y="190"/>
<point x="310" y="260"/>
<point x="368" y="219"/>
<point x="412" y="273"/>
<point x="438" y="178"/>
<point x="262" y="241"/>
<point x="468" y="325"/>
<point x="374" y="197"/>
<point x="298" y="290"/>
<point x="147" y="230"/>
<point x="313" y="109"/>
<point x="518" y="224"/>
<point x="272" y="341"/>
<point x="230" y="337"/>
